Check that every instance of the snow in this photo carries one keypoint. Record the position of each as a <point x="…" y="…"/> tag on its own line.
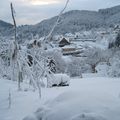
<point x="21" y="101"/>
<point x="62" y="79"/>
<point x="92" y="97"/>
<point x="102" y="68"/>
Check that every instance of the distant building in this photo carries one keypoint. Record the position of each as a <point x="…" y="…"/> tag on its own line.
<point x="63" y="42"/>
<point x="71" y="50"/>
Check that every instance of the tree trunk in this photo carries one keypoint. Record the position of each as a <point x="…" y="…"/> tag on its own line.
<point x="93" y="69"/>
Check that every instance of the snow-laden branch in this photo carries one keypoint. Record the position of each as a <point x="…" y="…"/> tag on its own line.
<point x="56" y="23"/>
<point x="13" y="17"/>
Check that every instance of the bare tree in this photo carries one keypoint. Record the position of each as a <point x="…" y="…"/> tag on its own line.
<point x="15" y="50"/>
<point x="17" y="57"/>
<point x="48" y="37"/>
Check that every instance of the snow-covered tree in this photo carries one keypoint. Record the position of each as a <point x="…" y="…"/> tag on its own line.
<point x="107" y="55"/>
<point x="114" y="68"/>
<point x="51" y="65"/>
<point x="94" y="57"/>
<point x="56" y="55"/>
<point x="115" y="43"/>
<point x="74" y="67"/>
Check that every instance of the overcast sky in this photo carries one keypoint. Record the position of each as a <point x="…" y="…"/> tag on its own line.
<point x="34" y="11"/>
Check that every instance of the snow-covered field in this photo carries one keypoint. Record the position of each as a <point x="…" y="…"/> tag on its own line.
<point x="89" y="98"/>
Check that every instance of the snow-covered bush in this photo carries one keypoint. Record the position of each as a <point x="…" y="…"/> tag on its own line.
<point x="59" y="80"/>
<point x="117" y="41"/>
<point x="5" y="70"/>
<point x="107" y="55"/>
<point x="94" y="57"/>
<point x="99" y="58"/>
<point x="74" y="67"/>
<point x="114" y="68"/>
<point x="56" y="55"/>
<point x="102" y="69"/>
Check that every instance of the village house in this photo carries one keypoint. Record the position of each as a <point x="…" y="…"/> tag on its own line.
<point x="71" y="50"/>
<point x="63" y="42"/>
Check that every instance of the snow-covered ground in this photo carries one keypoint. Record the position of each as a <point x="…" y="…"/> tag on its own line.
<point x="89" y="98"/>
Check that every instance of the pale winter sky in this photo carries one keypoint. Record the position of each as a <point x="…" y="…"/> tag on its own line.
<point x="34" y="11"/>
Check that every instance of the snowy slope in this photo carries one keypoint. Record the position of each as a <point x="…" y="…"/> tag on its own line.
<point x="5" y="28"/>
<point x="5" y="24"/>
<point x="23" y="102"/>
<point x="91" y="98"/>
<point x="94" y="98"/>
